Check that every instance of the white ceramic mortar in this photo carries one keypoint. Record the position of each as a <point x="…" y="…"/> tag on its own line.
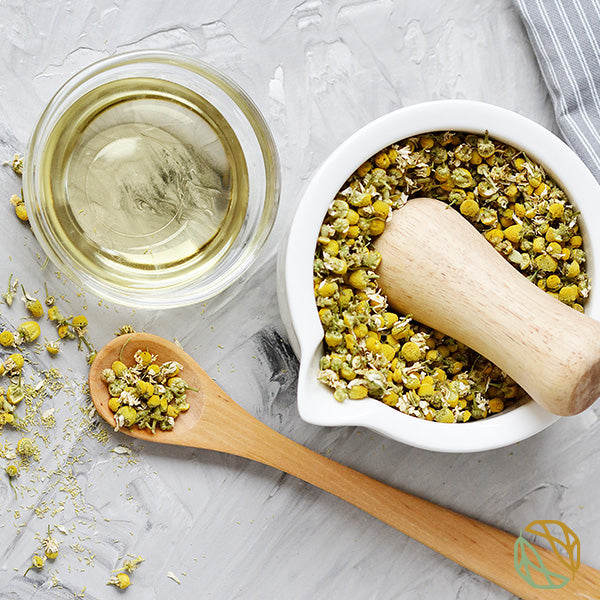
<point x="316" y="403"/>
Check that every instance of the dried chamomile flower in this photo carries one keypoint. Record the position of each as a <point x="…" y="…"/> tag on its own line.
<point x="125" y="416"/>
<point x="50" y="545"/>
<point x="80" y="323"/>
<point x="6" y="418"/>
<point x="54" y="315"/>
<point x="36" y="562"/>
<point x="20" y="209"/>
<point x="33" y="305"/>
<point x="29" y="331"/>
<point x="26" y="447"/>
<point x="63" y="326"/>
<point x="108" y="375"/>
<point x="70" y="328"/>
<point x="11" y="291"/>
<point x="15" y="392"/>
<point x="12" y="471"/>
<point x="170" y="368"/>
<point x="17" y="164"/>
<point x="53" y="348"/>
<point x="7" y="338"/>
<point x="13" y="364"/>
<point x="120" y="580"/>
<point x="142" y="357"/>
<point x="177" y="385"/>
<point x="49" y="300"/>
<point x="64" y="332"/>
<point x="119" y="370"/>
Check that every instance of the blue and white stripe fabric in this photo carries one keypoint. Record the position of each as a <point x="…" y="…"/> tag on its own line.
<point x="565" y="35"/>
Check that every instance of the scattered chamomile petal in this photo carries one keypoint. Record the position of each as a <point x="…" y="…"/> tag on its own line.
<point x="174" y="577"/>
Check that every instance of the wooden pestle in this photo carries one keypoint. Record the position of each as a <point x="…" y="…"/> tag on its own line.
<point x="437" y="267"/>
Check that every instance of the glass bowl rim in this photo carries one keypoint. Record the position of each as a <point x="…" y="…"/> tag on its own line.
<point x="255" y="122"/>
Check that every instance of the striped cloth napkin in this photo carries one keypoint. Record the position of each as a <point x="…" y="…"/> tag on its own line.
<point x="566" y="40"/>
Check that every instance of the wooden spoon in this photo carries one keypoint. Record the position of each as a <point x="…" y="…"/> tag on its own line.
<point x="439" y="269"/>
<point x="214" y="421"/>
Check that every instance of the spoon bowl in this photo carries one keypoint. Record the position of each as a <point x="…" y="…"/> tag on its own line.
<point x="123" y="348"/>
<point x="214" y="421"/>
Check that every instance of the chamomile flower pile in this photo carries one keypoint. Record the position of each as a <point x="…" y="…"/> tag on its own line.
<point x="369" y="349"/>
<point x="146" y="395"/>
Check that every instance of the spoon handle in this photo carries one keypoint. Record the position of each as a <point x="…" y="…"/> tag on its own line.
<point x="476" y="546"/>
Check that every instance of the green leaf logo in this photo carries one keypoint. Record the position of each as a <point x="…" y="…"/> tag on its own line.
<point x="529" y="564"/>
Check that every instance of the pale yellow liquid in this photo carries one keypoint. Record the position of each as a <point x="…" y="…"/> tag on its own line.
<point x="147" y="181"/>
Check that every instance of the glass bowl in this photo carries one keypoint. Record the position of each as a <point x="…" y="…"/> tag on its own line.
<point x="151" y="180"/>
<point x="316" y="403"/>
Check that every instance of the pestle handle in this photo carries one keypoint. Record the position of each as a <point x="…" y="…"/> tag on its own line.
<point x="439" y="269"/>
